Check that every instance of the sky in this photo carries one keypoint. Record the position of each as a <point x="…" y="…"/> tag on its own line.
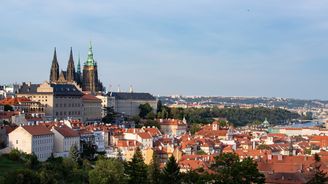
<point x="272" y="48"/>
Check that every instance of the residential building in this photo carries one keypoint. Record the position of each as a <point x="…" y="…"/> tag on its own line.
<point x="64" y="139"/>
<point x="128" y="103"/>
<point x="31" y="109"/>
<point x="60" y="100"/>
<point x="35" y="139"/>
<point x="91" y="108"/>
<point x="173" y="127"/>
<point x="8" y="91"/>
<point x="106" y="101"/>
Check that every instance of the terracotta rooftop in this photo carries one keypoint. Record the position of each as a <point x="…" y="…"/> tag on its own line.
<point x="145" y="135"/>
<point x="90" y="97"/>
<point x="14" y="101"/>
<point x="36" y="130"/>
<point x="66" y="131"/>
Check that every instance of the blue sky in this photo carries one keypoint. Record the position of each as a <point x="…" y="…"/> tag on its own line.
<point x="190" y="47"/>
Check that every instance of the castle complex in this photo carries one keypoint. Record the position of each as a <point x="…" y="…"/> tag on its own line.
<point x="88" y="80"/>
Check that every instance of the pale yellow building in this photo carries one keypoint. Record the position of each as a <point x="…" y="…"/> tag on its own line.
<point x="61" y="101"/>
<point x="64" y="139"/>
<point x="91" y="108"/>
<point x="35" y="139"/>
<point x="173" y="127"/>
<point x="147" y="155"/>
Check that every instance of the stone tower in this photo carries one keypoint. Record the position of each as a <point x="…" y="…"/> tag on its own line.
<point x="90" y="74"/>
<point x="70" y="73"/>
<point x="54" y="71"/>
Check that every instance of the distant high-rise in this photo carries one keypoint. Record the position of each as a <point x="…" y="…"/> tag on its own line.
<point x="88" y="80"/>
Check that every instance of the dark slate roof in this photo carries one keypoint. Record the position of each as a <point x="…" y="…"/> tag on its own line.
<point x="28" y="88"/>
<point x="59" y="89"/>
<point x="132" y="96"/>
<point x="66" y="90"/>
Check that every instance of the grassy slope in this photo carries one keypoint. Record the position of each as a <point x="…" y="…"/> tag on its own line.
<point x="7" y="165"/>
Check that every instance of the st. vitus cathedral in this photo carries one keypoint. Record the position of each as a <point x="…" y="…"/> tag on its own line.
<point x="88" y="80"/>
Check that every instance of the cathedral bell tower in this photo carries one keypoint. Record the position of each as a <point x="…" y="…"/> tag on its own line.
<point x="90" y="74"/>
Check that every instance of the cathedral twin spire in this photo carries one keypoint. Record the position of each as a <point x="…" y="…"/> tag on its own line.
<point x="88" y="79"/>
<point x="69" y="75"/>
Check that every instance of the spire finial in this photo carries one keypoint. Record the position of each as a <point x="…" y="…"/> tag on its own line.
<point x="55" y="54"/>
<point x="79" y="65"/>
<point x="71" y="54"/>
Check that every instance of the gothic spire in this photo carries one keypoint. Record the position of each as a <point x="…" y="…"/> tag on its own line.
<point x="70" y="76"/>
<point x="54" y="71"/>
<point x="79" y="65"/>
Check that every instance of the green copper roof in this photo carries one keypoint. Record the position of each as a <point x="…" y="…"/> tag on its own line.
<point x="90" y="60"/>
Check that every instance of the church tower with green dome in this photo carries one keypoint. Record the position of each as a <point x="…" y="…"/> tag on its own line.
<point x="90" y="74"/>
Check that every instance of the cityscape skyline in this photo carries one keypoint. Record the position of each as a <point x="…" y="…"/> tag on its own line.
<point x="191" y="48"/>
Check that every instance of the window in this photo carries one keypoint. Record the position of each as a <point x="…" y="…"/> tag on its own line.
<point x="16" y="141"/>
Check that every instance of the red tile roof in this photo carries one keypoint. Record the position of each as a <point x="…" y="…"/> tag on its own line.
<point x="153" y="131"/>
<point x="36" y="130"/>
<point x="66" y="131"/>
<point x="14" y="101"/>
<point x="90" y="97"/>
<point x="144" y="135"/>
<point x="128" y="143"/>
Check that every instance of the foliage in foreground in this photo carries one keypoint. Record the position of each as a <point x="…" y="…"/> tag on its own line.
<point x="226" y="169"/>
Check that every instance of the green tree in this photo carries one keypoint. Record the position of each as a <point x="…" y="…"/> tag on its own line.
<point x="194" y="128"/>
<point x="8" y="108"/>
<point x="22" y="176"/>
<point x="231" y="170"/>
<point x="196" y="177"/>
<point x="159" y="106"/>
<point x="110" y="115"/>
<point x="250" y="173"/>
<point x="171" y="171"/>
<point x="154" y="171"/>
<point x="163" y="113"/>
<point x="15" y="155"/>
<point x="32" y="162"/>
<point x="152" y="123"/>
<point x="136" y="169"/>
<point x="107" y="171"/>
<point x="177" y="113"/>
<point x="88" y="150"/>
<point x="318" y="176"/>
<point x="74" y="153"/>
<point x="144" y="110"/>
<point x="151" y="115"/>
